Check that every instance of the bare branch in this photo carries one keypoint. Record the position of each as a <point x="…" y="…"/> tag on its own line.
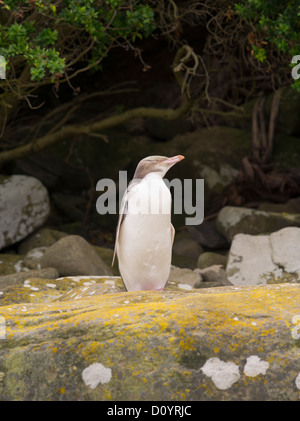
<point x="116" y="120"/>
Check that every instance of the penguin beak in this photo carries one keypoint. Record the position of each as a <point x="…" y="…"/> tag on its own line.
<point x="173" y="159"/>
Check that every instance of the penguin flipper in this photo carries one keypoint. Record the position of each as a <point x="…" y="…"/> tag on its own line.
<point x="121" y="219"/>
<point x="122" y="215"/>
<point x="172" y="235"/>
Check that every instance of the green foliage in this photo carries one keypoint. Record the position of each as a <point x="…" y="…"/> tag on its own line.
<point x="259" y="53"/>
<point x="277" y="22"/>
<point x="51" y="36"/>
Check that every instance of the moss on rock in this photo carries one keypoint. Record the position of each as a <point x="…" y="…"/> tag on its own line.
<point x="154" y="344"/>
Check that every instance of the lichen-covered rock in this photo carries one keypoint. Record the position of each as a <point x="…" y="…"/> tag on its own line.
<point x="262" y="259"/>
<point x="20" y="277"/>
<point x="24" y="207"/>
<point x="233" y="220"/>
<point x="229" y="343"/>
<point x="73" y="255"/>
<point x="34" y="287"/>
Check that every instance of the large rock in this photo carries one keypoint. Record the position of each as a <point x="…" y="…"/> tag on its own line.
<point x="24" y="207"/>
<point x="232" y="220"/>
<point x="261" y="259"/>
<point x="230" y="343"/>
<point x="73" y="255"/>
<point x="285" y="245"/>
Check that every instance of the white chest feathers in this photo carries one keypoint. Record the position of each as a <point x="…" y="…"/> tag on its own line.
<point x="149" y="196"/>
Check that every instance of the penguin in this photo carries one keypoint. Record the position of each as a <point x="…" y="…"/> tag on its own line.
<point x="145" y="234"/>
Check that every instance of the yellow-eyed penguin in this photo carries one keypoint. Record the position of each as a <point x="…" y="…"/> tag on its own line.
<point x="145" y="235"/>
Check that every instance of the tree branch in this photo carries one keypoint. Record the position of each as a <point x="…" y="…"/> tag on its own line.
<point x="181" y="70"/>
<point x="116" y="120"/>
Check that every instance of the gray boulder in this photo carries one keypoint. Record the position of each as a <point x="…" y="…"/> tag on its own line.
<point x="24" y="207"/>
<point x="73" y="255"/>
<point x="232" y="220"/>
<point x="262" y="259"/>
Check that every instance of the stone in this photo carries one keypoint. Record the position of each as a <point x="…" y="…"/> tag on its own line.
<point x="105" y="253"/>
<point x="285" y="248"/>
<point x="262" y="259"/>
<point x="185" y="276"/>
<point x="208" y="236"/>
<point x="73" y="255"/>
<point x="20" y="277"/>
<point x="215" y="274"/>
<point x="291" y="206"/>
<point x="210" y="258"/>
<point x="11" y="263"/>
<point x="232" y="220"/>
<point x="185" y="253"/>
<point x="33" y="257"/>
<point x="43" y="237"/>
<point x="38" y="289"/>
<point x="188" y="248"/>
<point x="24" y="207"/>
<point x="217" y="344"/>
<point x="250" y="260"/>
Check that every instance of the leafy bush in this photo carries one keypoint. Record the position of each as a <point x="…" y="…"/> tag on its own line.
<point x="52" y="37"/>
<point x="278" y="24"/>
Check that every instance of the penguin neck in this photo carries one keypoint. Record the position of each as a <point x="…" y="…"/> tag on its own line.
<point x="157" y="176"/>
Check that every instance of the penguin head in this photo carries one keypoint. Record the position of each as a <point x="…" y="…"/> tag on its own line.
<point x="155" y="164"/>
